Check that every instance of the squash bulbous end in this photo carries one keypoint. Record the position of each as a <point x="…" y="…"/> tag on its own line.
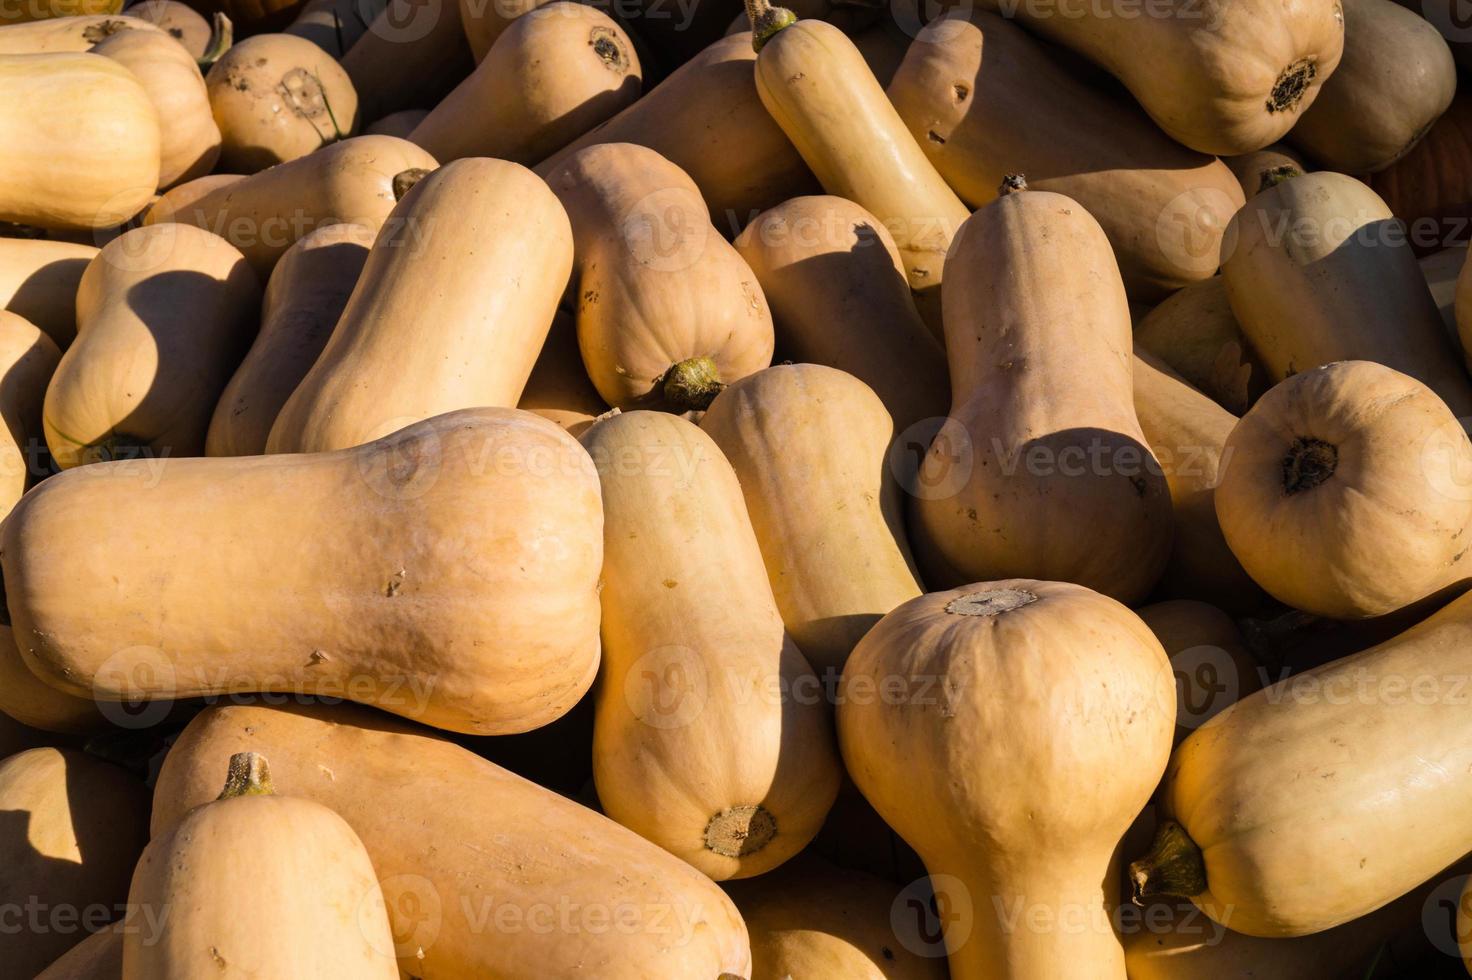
<point x="1173" y="867"/>
<point x="691" y="385"/>
<point x="247" y="775"/>
<point x="992" y="602"/>
<point x="740" y="830"/>
<point x="1011" y="184"/>
<point x="1308" y="463"/>
<point x="1292" y="82"/>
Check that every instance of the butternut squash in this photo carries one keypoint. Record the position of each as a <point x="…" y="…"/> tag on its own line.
<point x="817" y="87"/>
<point x="488" y="627"/>
<point x="178" y="20"/>
<point x="559" y="389"/>
<point x="333" y="25"/>
<point x="1196" y="334"/>
<point x="182" y="198"/>
<point x="25" y="698"/>
<point x="667" y="311"/>
<point x="485" y="21"/>
<point x="1042" y="468"/>
<point x="28" y="358"/>
<point x="71" y="831"/>
<point x="1442" y="269"/>
<point x="163" y="315"/>
<point x="357" y="181"/>
<point x="1347" y="495"/>
<point x="809" y="446"/>
<point x="38" y="281"/>
<point x="694" y="683"/>
<point x="413" y="53"/>
<point x="1327" y="795"/>
<point x="1222" y="76"/>
<point x="98" y="957"/>
<point x="552" y="76"/>
<point x="189" y="139"/>
<point x="706" y="119"/>
<point x="1208" y="656"/>
<point x="277" y="97"/>
<point x="812" y="920"/>
<point x="489" y="907"/>
<point x="1427" y="188"/>
<point x="399" y="124"/>
<point x="66" y="34"/>
<point x="823" y="261"/>
<point x="971" y="75"/>
<point x="303" y="301"/>
<point x="33" y="10"/>
<point x="1396" y="78"/>
<point x="1064" y="700"/>
<point x="1186" y="432"/>
<point x="1253" y="170"/>
<point x="1321" y="272"/>
<point x="452" y="306"/>
<point x="304" y="898"/>
<point x="82" y="142"/>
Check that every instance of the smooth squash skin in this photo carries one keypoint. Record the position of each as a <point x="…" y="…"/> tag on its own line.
<point x="813" y="920"/>
<point x="98" y="957"/>
<point x="1346" y="495"/>
<point x="28" y="358"/>
<point x="71" y="830"/>
<point x="27" y="699"/>
<point x="33" y="10"/>
<point x="189" y="140"/>
<point x="559" y="389"/>
<point x="164" y="313"/>
<point x="399" y="124"/>
<point x="1396" y="78"/>
<point x="1196" y="334"/>
<point x="1255" y="170"/>
<point x="450" y="311"/>
<point x="1220" y="76"/>
<point x="1327" y="795"/>
<point x="66" y="34"/>
<point x="699" y="681"/>
<point x="810" y="446"/>
<point x="39" y="280"/>
<point x="178" y="20"/>
<point x="305" y="297"/>
<point x="81" y="139"/>
<point x="358" y="181"/>
<point x="1042" y="468"/>
<point x="667" y="310"/>
<point x="816" y="85"/>
<point x="1209" y="657"/>
<point x="333" y="25"/>
<point x="552" y="76"/>
<point x="181" y="198"/>
<point x="303" y="896"/>
<point x="405" y="792"/>
<point x="706" y="119"/>
<point x="411" y="55"/>
<point x="971" y="76"/>
<point x="379" y="574"/>
<point x="1186" y="432"/>
<point x="277" y="97"/>
<point x="824" y="261"/>
<point x="1044" y="714"/>
<point x="1317" y="270"/>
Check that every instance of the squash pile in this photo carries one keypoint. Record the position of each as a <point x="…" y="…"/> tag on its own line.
<point x="550" y="489"/>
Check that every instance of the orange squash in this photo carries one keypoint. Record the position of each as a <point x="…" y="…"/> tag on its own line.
<point x="1195" y="332"/>
<point x="1208" y="656"/>
<point x="413" y="53"/>
<point x="39" y="280"/>
<point x="28" y="358"/>
<point x="559" y="389"/>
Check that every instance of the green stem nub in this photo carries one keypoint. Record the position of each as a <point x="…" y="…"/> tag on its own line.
<point x="691" y="385"/>
<point x="767" y="21"/>
<point x="248" y="775"/>
<point x="222" y="36"/>
<point x="1011" y="184"/>
<point x="1273" y="176"/>
<point x="1173" y="867"/>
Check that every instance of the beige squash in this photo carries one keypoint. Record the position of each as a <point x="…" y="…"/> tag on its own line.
<point x="66" y="34"/>
<point x="712" y="735"/>
<point x="1195" y="332"/>
<point x="28" y="358"/>
<point x="1043" y="713"/>
<point x="1254" y="171"/>
<point x="559" y="389"/>
<point x="164" y="313"/>
<point x="1209" y="657"/>
<point x="179" y="20"/>
<point x="452" y="307"/>
<point x="399" y="124"/>
<point x="178" y="202"/>
<point x="38" y="281"/>
<point x="26" y="699"/>
<point x="98" y="957"/>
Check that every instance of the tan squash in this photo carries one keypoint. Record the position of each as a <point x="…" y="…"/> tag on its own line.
<point x="399" y="124"/>
<point x="815" y="84"/>
<point x="71" y="830"/>
<point x="1220" y="76"/>
<point x="304" y="898"/>
<point x="450" y="311"/>
<point x="1442" y="268"/>
<point x="1317" y="270"/>
<point x="178" y="20"/>
<point x="66" y="34"/>
<point x="522" y="851"/>
<point x="559" y="389"/>
<point x="1064" y="700"/>
<point x="1347" y="492"/>
<point x="971" y="76"/>
<point x="1186" y="432"/>
<point x="812" y="920"/>
<point x="706" y="119"/>
<point x="25" y="698"/>
<point x="485" y="21"/>
<point x="696" y="681"/>
<point x="1327" y="795"/>
<point x="182" y="198"/>
<point x="277" y="97"/>
<point x="189" y="139"/>
<point x="1042" y="468"/>
<point x="333" y="25"/>
<point x="1253" y="170"/>
<point x="380" y="574"/>
<point x="824" y="262"/>
<point x="38" y="281"/>
<point x="164" y="313"/>
<point x="1396" y="78"/>
<point x="34" y="10"/>
<point x="357" y="181"/>
<point x="668" y="312"/>
<point x="303" y="301"/>
<point x="552" y="76"/>
<point x="809" y="445"/>
<point x="28" y="358"/>
<point x="1209" y="657"/>
<point x="81" y="138"/>
<point x="1195" y="332"/>
<point x="98" y="957"/>
<point x="412" y="54"/>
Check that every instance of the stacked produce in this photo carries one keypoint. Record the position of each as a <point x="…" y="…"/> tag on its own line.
<point x="533" y="489"/>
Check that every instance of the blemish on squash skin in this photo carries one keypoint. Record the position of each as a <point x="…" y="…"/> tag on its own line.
<point x="670" y="583"/>
<point x="219" y="960"/>
<point x="395" y="583"/>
